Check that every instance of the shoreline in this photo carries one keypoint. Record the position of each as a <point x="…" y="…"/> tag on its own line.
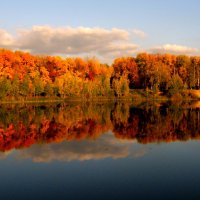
<point x="98" y="99"/>
<point x="135" y="95"/>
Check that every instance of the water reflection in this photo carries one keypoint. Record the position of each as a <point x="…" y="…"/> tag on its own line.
<point x="105" y="147"/>
<point x="85" y="131"/>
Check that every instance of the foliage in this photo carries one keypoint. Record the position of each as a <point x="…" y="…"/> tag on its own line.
<point x="23" y="75"/>
<point x="175" y="85"/>
<point x="121" y="86"/>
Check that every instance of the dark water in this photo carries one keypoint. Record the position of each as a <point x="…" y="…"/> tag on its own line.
<point x="100" y="151"/>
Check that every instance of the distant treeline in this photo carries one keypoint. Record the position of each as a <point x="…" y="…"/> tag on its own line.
<point x="23" y="75"/>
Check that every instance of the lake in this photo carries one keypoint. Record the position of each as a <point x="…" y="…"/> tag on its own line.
<point x="100" y="150"/>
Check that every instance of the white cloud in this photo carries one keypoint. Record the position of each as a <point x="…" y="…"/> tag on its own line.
<point x="139" y="33"/>
<point x="6" y="39"/>
<point x="44" y="39"/>
<point x="106" y="44"/>
<point x="71" y="41"/>
<point x="117" y="50"/>
<point x="174" y="49"/>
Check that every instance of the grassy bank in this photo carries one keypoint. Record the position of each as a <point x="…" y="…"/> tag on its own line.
<point x="134" y="95"/>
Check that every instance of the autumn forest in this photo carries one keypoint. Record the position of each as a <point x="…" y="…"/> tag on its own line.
<point x="24" y="76"/>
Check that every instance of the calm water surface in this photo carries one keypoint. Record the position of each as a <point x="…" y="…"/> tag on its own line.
<point x="100" y="151"/>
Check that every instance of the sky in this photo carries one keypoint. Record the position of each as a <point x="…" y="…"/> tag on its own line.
<point x="105" y="29"/>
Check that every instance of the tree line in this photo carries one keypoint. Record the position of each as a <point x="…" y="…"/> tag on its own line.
<point x="23" y="75"/>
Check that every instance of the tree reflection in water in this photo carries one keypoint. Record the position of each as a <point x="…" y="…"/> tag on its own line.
<point x="24" y="125"/>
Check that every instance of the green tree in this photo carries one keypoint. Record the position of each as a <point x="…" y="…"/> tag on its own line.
<point x="121" y="86"/>
<point x="38" y="85"/>
<point x="183" y="65"/>
<point x="5" y="87"/>
<point x="24" y="86"/>
<point x="15" y="88"/>
<point x="48" y="89"/>
<point x="175" y="85"/>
